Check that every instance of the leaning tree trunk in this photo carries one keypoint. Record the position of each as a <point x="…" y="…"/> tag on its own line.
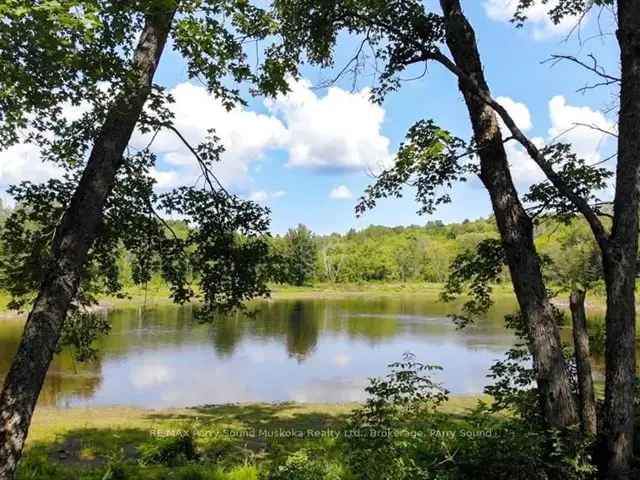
<point x="72" y="241"/>
<point x="620" y="258"/>
<point x="515" y="226"/>
<point x="587" y="398"/>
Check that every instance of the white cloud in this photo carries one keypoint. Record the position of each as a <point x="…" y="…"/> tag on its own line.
<point x="567" y="127"/>
<point x="538" y="20"/>
<point x="335" y="133"/>
<point x="339" y="132"/>
<point x="262" y="196"/>
<point x="518" y="111"/>
<point x="523" y="169"/>
<point x="246" y="136"/>
<point x="571" y="124"/>
<point x="341" y="192"/>
<point x="22" y="162"/>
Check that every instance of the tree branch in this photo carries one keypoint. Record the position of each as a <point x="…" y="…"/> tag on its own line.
<point x="596" y="128"/>
<point x="580" y="203"/>
<point x="206" y="172"/>
<point x="594" y="67"/>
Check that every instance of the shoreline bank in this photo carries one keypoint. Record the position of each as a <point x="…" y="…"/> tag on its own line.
<point x="159" y="296"/>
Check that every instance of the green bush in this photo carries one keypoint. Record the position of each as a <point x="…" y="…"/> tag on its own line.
<point x="172" y="451"/>
<point x="382" y="439"/>
<point x="299" y="466"/>
<point x="399" y="434"/>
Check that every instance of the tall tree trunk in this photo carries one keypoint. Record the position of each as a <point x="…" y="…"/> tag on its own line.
<point x="588" y="414"/>
<point x="73" y="239"/>
<point x="515" y="226"/>
<point x="620" y="258"/>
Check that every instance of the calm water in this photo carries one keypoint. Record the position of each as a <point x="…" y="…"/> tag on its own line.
<point x="302" y="350"/>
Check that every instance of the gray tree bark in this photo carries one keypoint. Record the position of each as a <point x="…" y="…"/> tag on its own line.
<point x="72" y="241"/>
<point x="620" y="256"/>
<point x="515" y="226"/>
<point x="587" y="397"/>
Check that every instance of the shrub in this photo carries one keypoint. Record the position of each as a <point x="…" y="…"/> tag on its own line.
<point x="382" y="437"/>
<point x="299" y="466"/>
<point x="115" y="467"/>
<point x="399" y="434"/>
<point x="172" y="451"/>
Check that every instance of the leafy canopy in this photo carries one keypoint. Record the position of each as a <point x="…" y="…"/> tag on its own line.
<point x="62" y="64"/>
<point x="557" y="10"/>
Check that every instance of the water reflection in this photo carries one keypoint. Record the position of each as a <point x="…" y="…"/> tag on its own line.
<point x="308" y="350"/>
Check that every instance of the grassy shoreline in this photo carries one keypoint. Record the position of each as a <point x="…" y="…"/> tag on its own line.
<point x="81" y="442"/>
<point x="157" y="294"/>
<point x="51" y="422"/>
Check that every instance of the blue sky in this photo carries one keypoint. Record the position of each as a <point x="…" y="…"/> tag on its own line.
<point x="309" y="156"/>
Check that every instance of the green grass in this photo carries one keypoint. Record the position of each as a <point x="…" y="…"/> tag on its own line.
<point x="156" y="293"/>
<point x="320" y="289"/>
<point x="4" y="300"/>
<point x="236" y="441"/>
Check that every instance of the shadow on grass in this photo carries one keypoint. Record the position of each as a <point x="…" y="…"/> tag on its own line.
<point x="92" y="446"/>
<point x="260" y="430"/>
<point x="226" y="436"/>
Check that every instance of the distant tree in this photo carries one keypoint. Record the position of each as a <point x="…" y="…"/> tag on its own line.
<point x="409" y="258"/>
<point x="331" y="260"/>
<point x="301" y="253"/>
<point x="4" y="213"/>
<point x="437" y="259"/>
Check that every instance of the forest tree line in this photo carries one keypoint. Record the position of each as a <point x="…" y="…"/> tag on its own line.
<point x="415" y="253"/>
<point x="423" y="253"/>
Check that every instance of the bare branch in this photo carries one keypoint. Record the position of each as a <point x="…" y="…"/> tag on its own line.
<point x="593" y="86"/>
<point x="346" y="68"/>
<point x="596" y="128"/>
<point x="152" y="210"/>
<point x="594" y="67"/>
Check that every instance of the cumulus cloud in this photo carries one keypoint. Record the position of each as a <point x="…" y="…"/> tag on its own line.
<point x="572" y="124"/>
<point x="22" y="162"/>
<point x="542" y="27"/>
<point x="262" y="196"/>
<point x="518" y="111"/>
<point x="569" y="124"/>
<point x="246" y="136"/>
<point x="339" y="132"/>
<point x="335" y="133"/>
<point x="523" y="169"/>
<point x="341" y="192"/>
